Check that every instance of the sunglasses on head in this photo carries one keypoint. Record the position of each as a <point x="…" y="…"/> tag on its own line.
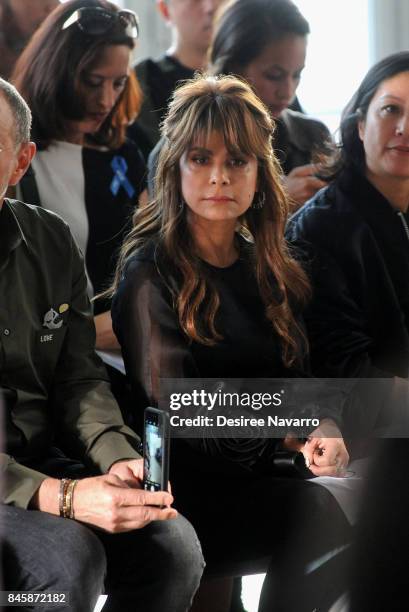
<point x="97" y="21"/>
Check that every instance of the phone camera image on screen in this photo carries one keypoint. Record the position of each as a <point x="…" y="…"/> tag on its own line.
<point x="153" y="457"/>
<point x="155" y="450"/>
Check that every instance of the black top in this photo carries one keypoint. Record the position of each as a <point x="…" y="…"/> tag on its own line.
<point x="358" y="247"/>
<point x="154" y="346"/>
<point x="96" y="192"/>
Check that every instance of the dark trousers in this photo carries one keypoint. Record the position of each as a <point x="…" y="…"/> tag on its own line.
<point x="156" y="568"/>
<point x="265" y="524"/>
<point x="153" y="569"/>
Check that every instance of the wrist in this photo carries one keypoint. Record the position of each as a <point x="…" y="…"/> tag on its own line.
<point x="45" y="498"/>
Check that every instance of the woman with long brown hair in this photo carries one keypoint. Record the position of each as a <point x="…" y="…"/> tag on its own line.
<point x="76" y="77"/>
<point x="207" y="288"/>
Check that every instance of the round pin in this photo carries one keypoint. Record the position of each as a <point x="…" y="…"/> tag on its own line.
<point x="63" y="308"/>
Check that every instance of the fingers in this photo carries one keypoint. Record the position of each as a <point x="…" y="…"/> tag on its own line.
<point x="326" y="456"/>
<point x="136" y="467"/>
<point x="336" y="467"/>
<point x="140" y="497"/>
<point x="137" y="518"/>
<point x="109" y="503"/>
<point x="306" y="176"/>
<point x="313" y="184"/>
<point x="301" y="188"/>
<point x="117" y="519"/>
<point x="328" y="470"/>
<point x="310" y="447"/>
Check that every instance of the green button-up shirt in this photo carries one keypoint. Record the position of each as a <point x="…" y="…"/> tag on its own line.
<point x="55" y="384"/>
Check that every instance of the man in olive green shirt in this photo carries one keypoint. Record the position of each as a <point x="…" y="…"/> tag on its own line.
<point x="55" y="392"/>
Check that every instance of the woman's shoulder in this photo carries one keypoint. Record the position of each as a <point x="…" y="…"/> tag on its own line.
<point x="322" y="217"/>
<point x="144" y="256"/>
<point x="330" y="221"/>
<point x="147" y="262"/>
<point x="143" y="281"/>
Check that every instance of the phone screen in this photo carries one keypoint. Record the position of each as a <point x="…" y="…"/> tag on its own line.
<point x="154" y="453"/>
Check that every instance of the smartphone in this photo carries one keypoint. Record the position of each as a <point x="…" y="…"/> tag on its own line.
<point x="156" y="444"/>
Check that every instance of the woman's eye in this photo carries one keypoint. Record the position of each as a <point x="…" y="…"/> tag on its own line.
<point x="390" y="109"/>
<point x="93" y="83"/>
<point x="273" y="77"/>
<point x="199" y="160"/>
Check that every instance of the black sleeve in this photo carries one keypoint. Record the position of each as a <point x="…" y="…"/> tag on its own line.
<point x="154" y="347"/>
<point x="147" y="327"/>
<point x="340" y="341"/>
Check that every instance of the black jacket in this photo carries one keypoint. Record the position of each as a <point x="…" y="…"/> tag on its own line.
<point x="357" y="248"/>
<point x="158" y="79"/>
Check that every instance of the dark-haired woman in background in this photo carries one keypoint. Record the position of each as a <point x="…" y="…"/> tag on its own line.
<point x="265" y="41"/>
<point x="206" y="288"/>
<point x="357" y="232"/>
<point x="75" y="75"/>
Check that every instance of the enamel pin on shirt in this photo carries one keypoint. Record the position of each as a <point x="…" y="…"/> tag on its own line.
<point x="52" y="318"/>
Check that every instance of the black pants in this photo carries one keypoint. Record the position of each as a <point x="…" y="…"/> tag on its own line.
<point x="257" y="524"/>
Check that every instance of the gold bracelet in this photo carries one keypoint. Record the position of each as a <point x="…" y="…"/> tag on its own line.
<point x="70" y="499"/>
<point x="67" y="499"/>
<point x="61" y="495"/>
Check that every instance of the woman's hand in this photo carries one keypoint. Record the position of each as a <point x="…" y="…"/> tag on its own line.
<point x="325" y="452"/>
<point x="301" y="184"/>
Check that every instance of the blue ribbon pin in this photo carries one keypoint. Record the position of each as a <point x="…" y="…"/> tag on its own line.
<point x="119" y="166"/>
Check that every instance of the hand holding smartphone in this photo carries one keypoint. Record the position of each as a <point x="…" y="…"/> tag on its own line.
<point x="156" y="450"/>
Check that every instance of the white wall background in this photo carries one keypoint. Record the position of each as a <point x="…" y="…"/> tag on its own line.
<point x="388" y="25"/>
<point x="154" y="34"/>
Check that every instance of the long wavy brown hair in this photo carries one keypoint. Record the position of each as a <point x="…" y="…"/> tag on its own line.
<point x="227" y="105"/>
<point x="49" y="71"/>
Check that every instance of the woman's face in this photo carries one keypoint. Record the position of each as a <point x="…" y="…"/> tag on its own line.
<point x="216" y="184"/>
<point x="385" y="129"/>
<point x="275" y="74"/>
<point x="100" y="87"/>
